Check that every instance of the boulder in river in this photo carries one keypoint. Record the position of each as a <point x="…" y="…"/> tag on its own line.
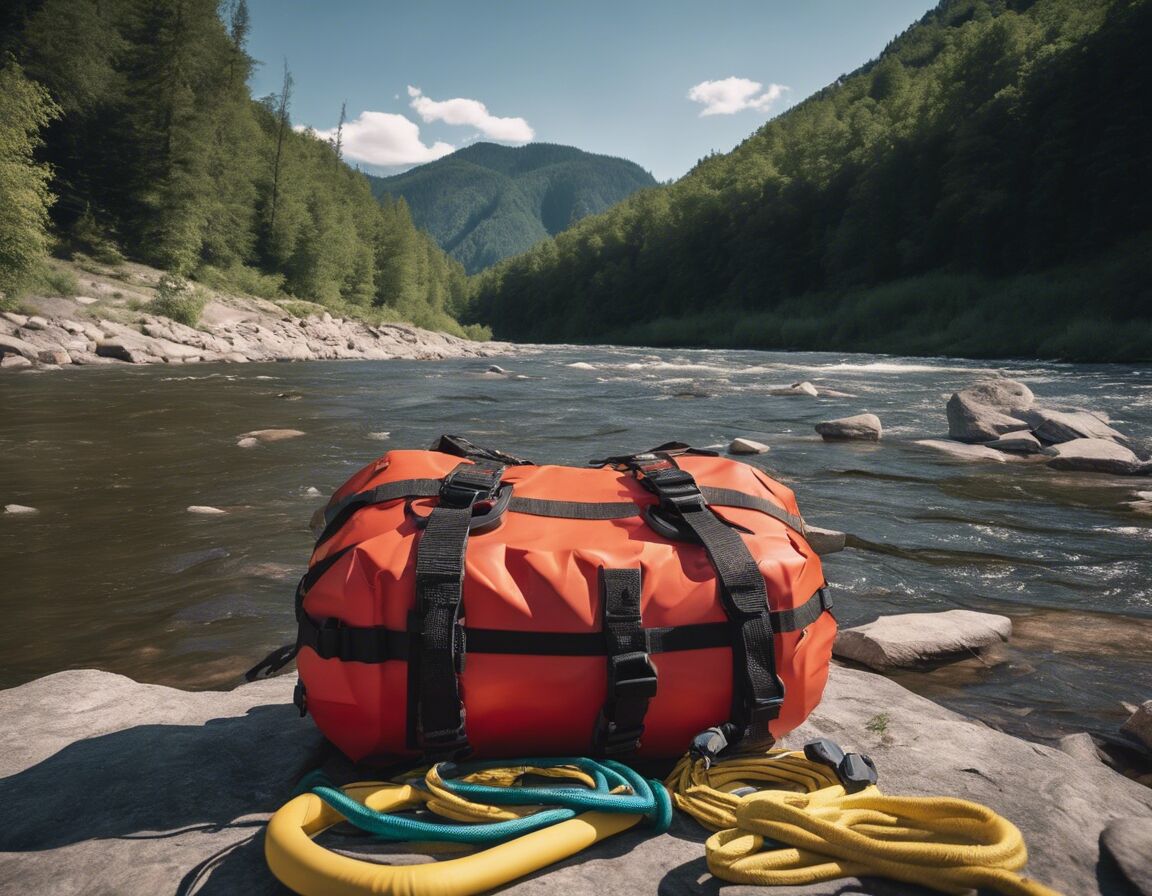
<point x="135" y="789"/>
<point x="971" y="421"/>
<point x="1096" y="456"/>
<point x="19" y="509"/>
<point x="746" y="446"/>
<point x="249" y="443"/>
<point x="825" y="541"/>
<point x="1022" y="442"/>
<point x="909" y="640"/>
<point x="205" y="509"/>
<point x="1056" y="427"/>
<point x="273" y="435"/>
<point x="14" y="362"/>
<point x="1002" y="394"/>
<point x="1139" y="724"/>
<point x="804" y="388"/>
<point x="864" y="427"/>
<point x="581" y="365"/>
<point x="970" y="452"/>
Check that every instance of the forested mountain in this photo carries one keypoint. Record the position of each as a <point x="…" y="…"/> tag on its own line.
<point x="486" y="202"/>
<point x="130" y="123"/>
<point x="983" y="188"/>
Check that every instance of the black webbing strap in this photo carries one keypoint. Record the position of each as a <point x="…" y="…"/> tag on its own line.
<point x="575" y="510"/>
<point x="758" y="692"/>
<point x="631" y="675"/>
<point x="435" y="708"/>
<point x="377" y="644"/>
<point x="729" y="497"/>
<point x="340" y="512"/>
<point x="458" y="446"/>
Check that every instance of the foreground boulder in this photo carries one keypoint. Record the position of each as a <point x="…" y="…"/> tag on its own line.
<point x="747" y="446"/>
<point x="116" y="787"/>
<point x="139" y="789"/>
<point x="865" y="427"/>
<point x="1096" y="456"/>
<point x="916" y="639"/>
<point x="1022" y="442"/>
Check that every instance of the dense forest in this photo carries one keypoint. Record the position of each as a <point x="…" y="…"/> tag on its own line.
<point x="486" y="202"/>
<point x="983" y="188"/>
<point x="127" y="129"/>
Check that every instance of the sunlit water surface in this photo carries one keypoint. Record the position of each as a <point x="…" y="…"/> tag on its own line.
<point x="115" y="573"/>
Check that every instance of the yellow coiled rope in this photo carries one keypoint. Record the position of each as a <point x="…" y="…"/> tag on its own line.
<point x="827" y="833"/>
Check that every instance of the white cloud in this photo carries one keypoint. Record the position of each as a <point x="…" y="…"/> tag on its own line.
<point x="387" y="139"/>
<point x="461" y="111"/>
<point x="732" y="95"/>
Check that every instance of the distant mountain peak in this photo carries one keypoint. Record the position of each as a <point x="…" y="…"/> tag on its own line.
<point x="486" y="201"/>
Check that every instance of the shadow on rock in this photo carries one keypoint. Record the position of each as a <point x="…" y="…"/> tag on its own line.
<point x="157" y="781"/>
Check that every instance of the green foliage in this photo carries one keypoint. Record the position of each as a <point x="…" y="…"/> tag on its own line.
<point x="160" y="155"/>
<point x="179" y="300"/>
<point x="910" y="206"/>
<point x="487" y="202"/>
<point x="25" y="108"/>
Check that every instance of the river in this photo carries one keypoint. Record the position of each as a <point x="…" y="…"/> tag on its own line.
<point x="115" y="573"/>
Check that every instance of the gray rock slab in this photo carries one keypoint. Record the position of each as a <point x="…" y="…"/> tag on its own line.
<point x="825" y="541"/>
<point x="747" y="446"/>
<point x="865" y="427"/>
<point x="1022" y="442"/>
<point x="1129" y="842"/>
<point x="1139" y="724"/>
<point x="908" y="640"/>
<point x="971" y="421"/>
<point x="122" y="788"/>
<point x="796" y="389"/>
<point x="965" y="451"/>
<point x="1095" y="456"/>
<point x="1055" y="427"/>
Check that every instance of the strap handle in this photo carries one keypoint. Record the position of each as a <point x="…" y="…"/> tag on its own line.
<point x="632" y="678"/>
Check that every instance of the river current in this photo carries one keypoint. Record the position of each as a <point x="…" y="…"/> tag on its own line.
<point x="115" y="573"/>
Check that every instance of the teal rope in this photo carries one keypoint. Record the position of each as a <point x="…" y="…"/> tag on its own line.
<point x="648" y="798"/>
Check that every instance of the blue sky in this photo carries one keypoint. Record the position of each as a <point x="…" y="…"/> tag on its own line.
<point x="422" y="79"/>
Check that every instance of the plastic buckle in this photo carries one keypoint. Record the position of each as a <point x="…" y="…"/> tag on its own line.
<point x="855" y="770"/>
<point x="767" y="709"/>
<point x="631" y="676"/>
<point x="452" y="744"/>
<point x="614" y="741"/>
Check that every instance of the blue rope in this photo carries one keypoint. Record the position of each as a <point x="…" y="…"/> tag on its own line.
<point x="648" y="798"/>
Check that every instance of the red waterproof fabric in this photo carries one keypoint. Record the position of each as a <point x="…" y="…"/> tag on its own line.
<point x="537" y="574"/>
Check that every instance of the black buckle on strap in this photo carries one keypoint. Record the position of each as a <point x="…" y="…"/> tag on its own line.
<point x="631" y="676"/>
<point x="464" y="488"/>
<point x="767" y="709"/>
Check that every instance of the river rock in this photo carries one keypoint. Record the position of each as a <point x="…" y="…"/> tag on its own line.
<point x="497" y="369"/>
<point x="865" y="427"/>
<point x="746" y="446"/>
<point x="804" y="388"/>
<point x="1139" y="724"/>
<point x="1080" y="746"/>
<point x="36" y="322"/>
<point x="116" y="787"/>
<point x="14" y="318"/>
<point x="1129" y="842"/>
<point x="13" y="345"/>
<point x="970" y="421"/>
<point x="1095" y="456"/>
<point x="380" y="436"/>
<point x="14" y="362"/>
<point x="1002" y="394"/>
<point x="967" y="452"/>
<point x="55" y="356"/>
<point x="581" y="365"/>
<point x="1056" y="427"/>
<point x="18" y="509"/>
<point x="825" y="541"/>
<point x="273" y="435"/>
<point x="205" y="509"/>
<point x="1022" y="442"/>
<point x="914" y="639"/>
<point x="249" y="443"/>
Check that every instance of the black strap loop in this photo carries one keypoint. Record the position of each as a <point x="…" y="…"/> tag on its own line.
<point x="631" y="676"/>
<point x="758" y="692"/>
<point x="436" y="709"/>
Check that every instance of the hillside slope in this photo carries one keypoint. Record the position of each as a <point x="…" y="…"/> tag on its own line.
<point x="487" y="202"/>
<point x="984" y="188"/>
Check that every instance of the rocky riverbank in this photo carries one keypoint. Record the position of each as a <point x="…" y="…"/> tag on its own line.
<point x="117" y="787"/>
<point x="110" y="321"/>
